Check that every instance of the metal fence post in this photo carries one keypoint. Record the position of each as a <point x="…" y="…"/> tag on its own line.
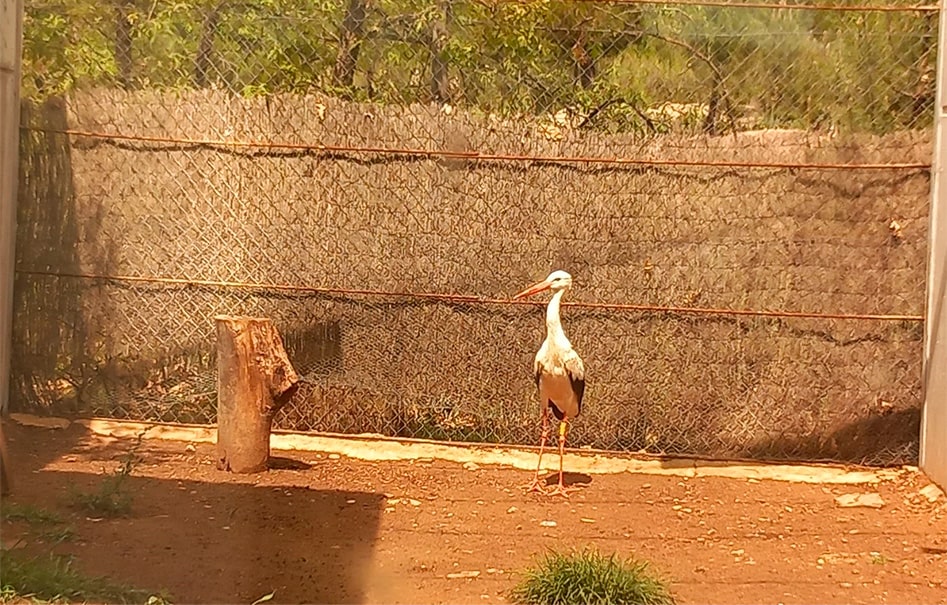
<point x="933" y="454"/>
<point x="11" y="45"/>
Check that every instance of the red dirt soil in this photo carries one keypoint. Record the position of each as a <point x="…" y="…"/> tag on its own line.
<point x="327" y="529"/>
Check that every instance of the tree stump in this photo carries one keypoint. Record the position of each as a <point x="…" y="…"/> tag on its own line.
<point x="254" y="380"/>
<point x="5" y="483"/>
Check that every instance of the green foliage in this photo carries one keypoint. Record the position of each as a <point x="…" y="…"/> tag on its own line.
<point x="590" y="578"/>
<point x="64" y="44"/>
<point x="44" y="524"/>
<point x="861" y="71"/>
<point x="53" y="579"/>
<point x="111" y="499"/>
<point x="31" y="514"/>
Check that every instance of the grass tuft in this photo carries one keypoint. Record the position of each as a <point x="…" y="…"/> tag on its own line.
<point x="52" y="578"/>
<point x="590" y="578"/>
<point x="113" y="497"/>
<point x="45" y="525"/>
<point x="29" y="513"/>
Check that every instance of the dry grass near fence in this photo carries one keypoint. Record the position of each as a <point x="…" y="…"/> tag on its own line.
<point x="766" y="238"/>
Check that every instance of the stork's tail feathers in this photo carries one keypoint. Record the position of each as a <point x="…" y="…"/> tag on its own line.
<point x="559" y="414"/>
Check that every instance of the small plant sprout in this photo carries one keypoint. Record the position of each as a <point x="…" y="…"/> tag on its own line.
<point x="112" y="498"/>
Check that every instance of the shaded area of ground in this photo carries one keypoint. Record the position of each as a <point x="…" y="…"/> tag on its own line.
<point x="203" y="541"/>
<point x="322" y="528"/>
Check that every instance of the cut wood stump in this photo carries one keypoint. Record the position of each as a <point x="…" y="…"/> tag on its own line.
<point x="5" y="482"/>
<point x="254" y="380"/>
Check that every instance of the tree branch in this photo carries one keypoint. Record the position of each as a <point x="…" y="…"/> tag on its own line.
<point x="720" y="78"/>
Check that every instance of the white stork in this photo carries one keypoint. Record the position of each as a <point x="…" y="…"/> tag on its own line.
<point x="560" y="374"/>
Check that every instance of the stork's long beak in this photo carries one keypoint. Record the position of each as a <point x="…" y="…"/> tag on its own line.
<point x="534" y="289"/>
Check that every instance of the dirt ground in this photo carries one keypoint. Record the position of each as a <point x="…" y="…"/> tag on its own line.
<point x="326" y="528"/>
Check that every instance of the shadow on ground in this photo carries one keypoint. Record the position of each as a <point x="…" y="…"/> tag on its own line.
<point x="210" y="538"/>
<point x="569" y="479"/>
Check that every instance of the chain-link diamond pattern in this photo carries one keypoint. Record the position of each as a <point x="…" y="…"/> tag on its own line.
<point x="323" y="163"/>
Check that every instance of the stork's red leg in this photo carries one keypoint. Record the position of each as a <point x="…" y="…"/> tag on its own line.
<point x="561" y="488"/>
<point x="536" y="485"/>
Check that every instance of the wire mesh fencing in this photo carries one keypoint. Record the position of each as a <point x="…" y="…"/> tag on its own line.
<point x="740" y="193"/>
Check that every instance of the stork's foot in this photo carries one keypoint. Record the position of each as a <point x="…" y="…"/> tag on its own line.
<point x="534" y="486"/>
<point x="561" y="490"/>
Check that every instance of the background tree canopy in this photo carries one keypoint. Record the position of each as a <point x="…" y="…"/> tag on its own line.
<point x="615" y="66"/>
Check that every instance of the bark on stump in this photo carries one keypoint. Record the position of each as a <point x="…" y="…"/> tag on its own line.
<point x="5" y="481"/>
<point x="254" y="380"/>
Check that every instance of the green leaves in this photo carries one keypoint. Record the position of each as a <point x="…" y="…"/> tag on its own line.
<point x="590" y="578"/>
<point x="54" y="578"/>
<point x="858" y="71"/>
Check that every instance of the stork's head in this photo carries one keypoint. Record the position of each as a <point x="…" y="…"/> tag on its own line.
<point x="557" y="280"/>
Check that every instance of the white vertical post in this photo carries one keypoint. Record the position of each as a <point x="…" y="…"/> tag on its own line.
<point x="11" y="47"/>
<point x="933" y="459"/>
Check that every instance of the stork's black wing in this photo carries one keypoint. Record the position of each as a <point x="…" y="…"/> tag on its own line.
<point x="576" y="370"/>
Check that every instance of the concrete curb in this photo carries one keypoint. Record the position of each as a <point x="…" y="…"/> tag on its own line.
<point x="377" y="448"/>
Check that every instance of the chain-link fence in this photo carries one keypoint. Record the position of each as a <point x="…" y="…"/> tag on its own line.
<point x="740" y="193"/>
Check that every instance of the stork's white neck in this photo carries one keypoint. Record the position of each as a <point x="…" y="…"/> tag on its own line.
<point x="554" y="330"/>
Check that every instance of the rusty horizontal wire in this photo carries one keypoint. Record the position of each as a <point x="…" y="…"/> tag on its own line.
<point x="471" y="299"/>
<point x="754" y="170"/>
<point x="221" y="145"/>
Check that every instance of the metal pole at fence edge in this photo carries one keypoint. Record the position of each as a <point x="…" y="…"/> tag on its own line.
<point x="11" y="50"/>
<point x="933" y="451"/>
